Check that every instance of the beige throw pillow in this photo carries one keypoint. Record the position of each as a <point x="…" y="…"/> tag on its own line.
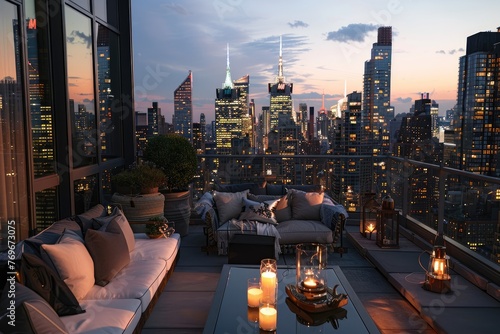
<point x="73" y="264"/>
<point x="306" y="206"/>
<point x="229" y="205"/>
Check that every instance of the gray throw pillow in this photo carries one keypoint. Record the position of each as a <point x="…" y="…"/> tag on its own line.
<point x="123" y="225"/>
<point x="229" y="205"/>
<point x="306" y="206"/>
<point x="109" y="251"/>
<point x="85" y="219"/>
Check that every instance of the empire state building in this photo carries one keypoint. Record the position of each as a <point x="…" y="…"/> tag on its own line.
<point x="281" y="96"/>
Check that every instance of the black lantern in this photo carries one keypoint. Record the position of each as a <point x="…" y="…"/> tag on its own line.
<point x="437" y="278"/>
<point x="368" y="220"/>
<point x="387" y="224"/>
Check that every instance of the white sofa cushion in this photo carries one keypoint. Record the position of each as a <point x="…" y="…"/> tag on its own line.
<point x="119" y="316"/>
<point x="161" y="248"/>
<point x="140" y="280"/>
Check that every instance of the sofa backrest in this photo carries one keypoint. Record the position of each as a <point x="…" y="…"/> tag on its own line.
<point x="266" y="188"/>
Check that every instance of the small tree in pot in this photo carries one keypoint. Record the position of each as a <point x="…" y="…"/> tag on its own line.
<point x="176" y="156"/>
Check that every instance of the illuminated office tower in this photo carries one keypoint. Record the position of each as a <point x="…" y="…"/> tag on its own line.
<point x="228" y="114"/>
<point x="280" y="96"/>
<point x="377" y="111"/>
<point x="478" y="104"/>
<point x="153" y="119"/>
<point x="183" y="108"/>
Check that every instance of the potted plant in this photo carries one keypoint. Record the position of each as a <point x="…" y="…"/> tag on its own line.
<point x="176" y="156"/>
<point x="157" y="227"/>
<point x="142" y="179"/>
<point x="137" y="191"/>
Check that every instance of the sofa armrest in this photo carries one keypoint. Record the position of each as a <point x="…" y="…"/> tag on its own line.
<point x="211" y="225"/>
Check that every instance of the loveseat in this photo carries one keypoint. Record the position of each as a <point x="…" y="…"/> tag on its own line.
<point x="88" y="274"/>
<point x="292" y="213"/>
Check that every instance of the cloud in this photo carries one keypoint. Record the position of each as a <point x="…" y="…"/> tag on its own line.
<point x="355" y="32"/>
<point x="450" y="52"/>
<point x="404" y="99"/>
<point x="176" y="8"/>
<point x="298" y="24"/>
<point x="78" y="37"/>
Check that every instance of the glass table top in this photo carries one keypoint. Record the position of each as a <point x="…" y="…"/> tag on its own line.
<point x="234" y="316"/>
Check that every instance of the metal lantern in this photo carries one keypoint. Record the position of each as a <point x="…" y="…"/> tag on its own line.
<point x="368" y="220"/>
<point x="311" y="260"/>
<point x="387" y="224"/>
<point x="438" y="277"/>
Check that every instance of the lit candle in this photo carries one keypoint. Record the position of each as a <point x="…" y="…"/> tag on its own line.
<point x="310" y="282"/>
<point x="371" y="228"/>
<point x="254" y="295"/>
<point x="268" y="284"/>
<point x="268" y="317"/>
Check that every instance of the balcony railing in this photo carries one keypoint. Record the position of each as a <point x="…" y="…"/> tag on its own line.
<point x="462" y="205"/>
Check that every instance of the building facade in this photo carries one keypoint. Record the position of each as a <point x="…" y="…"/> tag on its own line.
<point x="478" y="105"/>
<point x="377" y="111"/>
<point x="183" y="108"/>
<point x="66" y="108"/>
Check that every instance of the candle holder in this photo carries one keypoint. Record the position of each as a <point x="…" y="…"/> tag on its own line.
<point x="268" y="315"/>
<point x="437" y="278"/>
<point x="268" y="278"/>
<point x="368" y="214"/>
<point x="311" y="259"/>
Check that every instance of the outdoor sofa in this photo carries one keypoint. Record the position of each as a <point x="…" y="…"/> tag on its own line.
<point x="88" y="274"/>
<point x="292" y="213"/>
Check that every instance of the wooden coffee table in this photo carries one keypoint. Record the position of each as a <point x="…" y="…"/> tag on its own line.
<point x="229" y="312"/>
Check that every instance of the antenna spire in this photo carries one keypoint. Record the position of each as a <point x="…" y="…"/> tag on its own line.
<point x="228" y="83"/>
<point x="281" y="77"/>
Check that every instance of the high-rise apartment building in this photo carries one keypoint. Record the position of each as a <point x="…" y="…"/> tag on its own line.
<point x="183" y="108"/>
<point x="280" y="95"/>
<point x="377" y="111"/>
<point x="478" y="104"/>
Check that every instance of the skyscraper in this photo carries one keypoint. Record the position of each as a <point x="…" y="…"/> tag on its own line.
<point x="228" y="113"/>
<point x="280" y="95"/>
<point x="183" y="108"/>
<point x="153" y="119"/>
<point x="377" y="111"/>
<point x="478" y="105"/>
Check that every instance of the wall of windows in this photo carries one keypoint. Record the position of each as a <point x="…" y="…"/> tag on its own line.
<point x="66" y="97"/>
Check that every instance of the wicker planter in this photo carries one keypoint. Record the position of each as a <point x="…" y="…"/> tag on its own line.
<point x="177" y="210"/>
<point x="140" y="207"/>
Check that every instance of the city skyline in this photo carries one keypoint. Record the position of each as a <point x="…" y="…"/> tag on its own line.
<point x="323" y="48"/>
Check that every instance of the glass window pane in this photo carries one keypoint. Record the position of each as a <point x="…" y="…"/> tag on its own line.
<point x="81" y="88"/>
<point x="85" y="4"/>
<point x="13" y="180"/>
<point x="40" y="90"/>
<point x="107" y="10"/>
<point x="46" y="208"/>
<point x="86" y="193"/>
<point x="108" y="74"/>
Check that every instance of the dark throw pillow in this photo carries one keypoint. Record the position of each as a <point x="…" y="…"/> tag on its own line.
<point x="32" y="314"/>
<point x="109" y="251"/>
<point x="39" y="277"/>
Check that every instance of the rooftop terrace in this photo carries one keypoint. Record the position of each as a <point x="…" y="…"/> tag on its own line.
<point x="387" y="281"/>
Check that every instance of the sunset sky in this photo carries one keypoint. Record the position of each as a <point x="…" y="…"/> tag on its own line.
<point x="325" y="43"/>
